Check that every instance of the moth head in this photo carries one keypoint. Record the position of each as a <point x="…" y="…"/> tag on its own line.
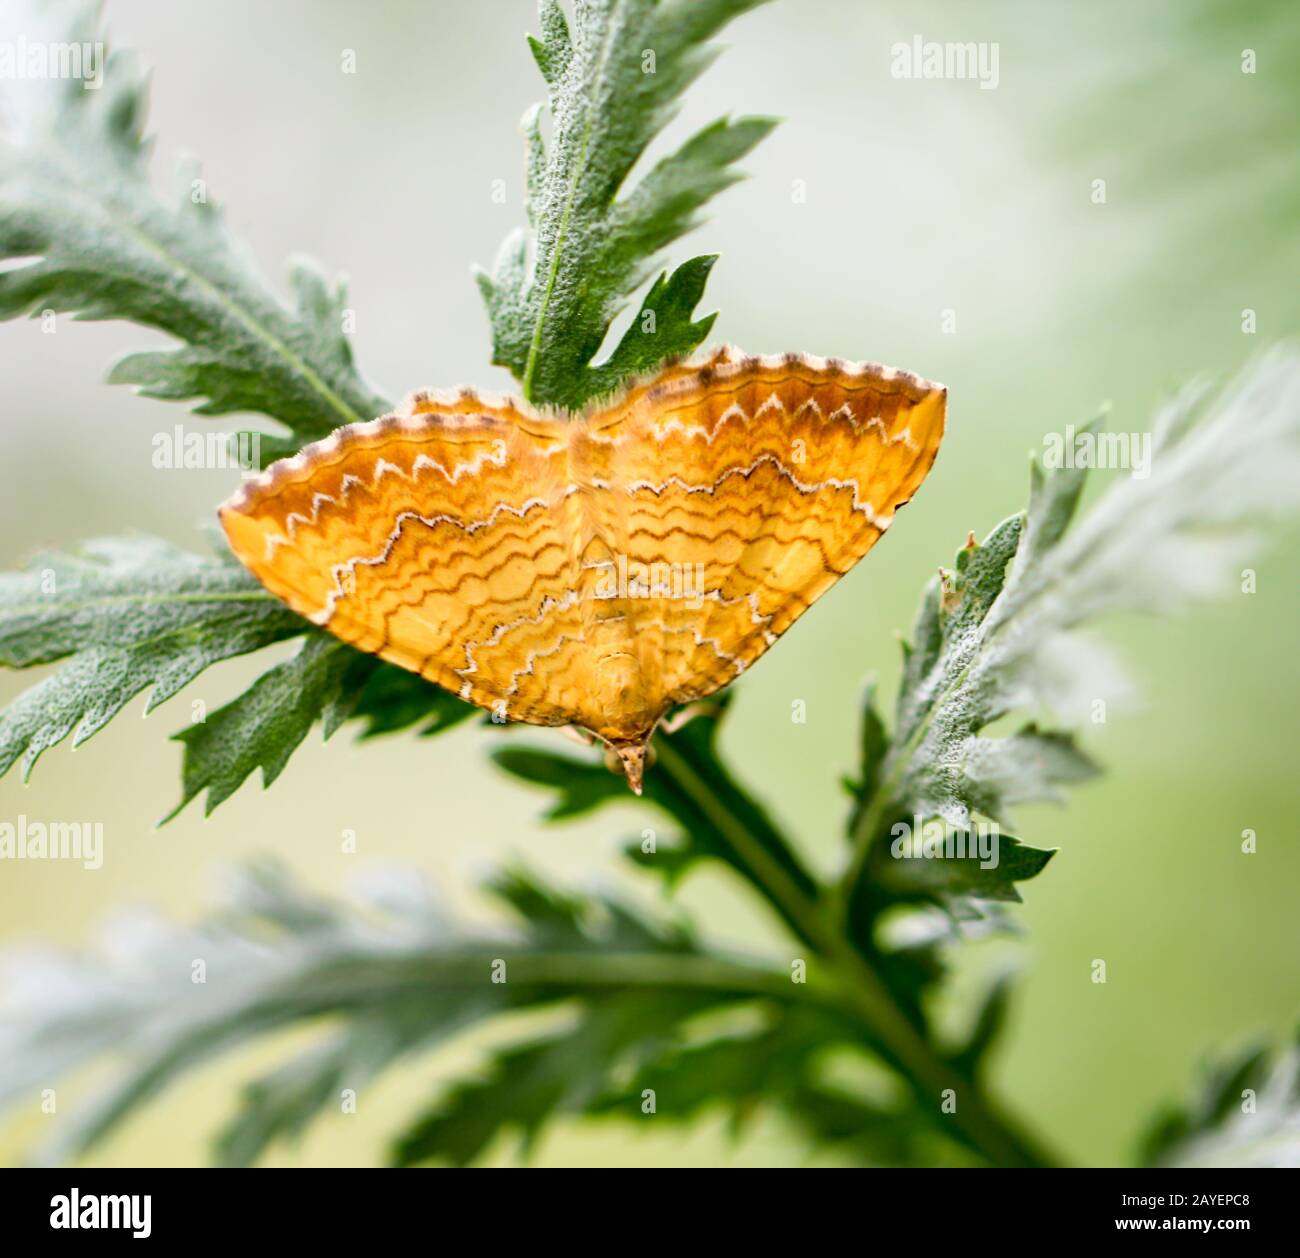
<point x="631" y="759"/>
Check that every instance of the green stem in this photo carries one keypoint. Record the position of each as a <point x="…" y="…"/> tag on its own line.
<point x="868" y="826"/>
<point x="867" y="995"/>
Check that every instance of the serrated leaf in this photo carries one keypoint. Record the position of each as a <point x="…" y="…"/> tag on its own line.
<point x="778" y="1065"/>
<point x="613" y="84"/>
<point x="992" y="634"/>
<point x="75" y="196"/>
<point x="1029" y="767"/>
<point x="392" y="699"/>
<point x="966" y="873"/>
<point x="377" y="979"/>
<point x="662" y="329"/>
<point x="580" y="785"/>
<point x="263" y="727"/>
<point x="127" y="614"/>
<point x="525" y="1086"/>
<point x="942" y="707"/>
<point x="123" y="614"/>
<point x="1053" y="501"/>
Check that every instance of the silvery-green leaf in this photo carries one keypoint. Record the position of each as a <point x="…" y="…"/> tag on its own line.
<point x="120" y="615"/>
<point x="613" y="84"/>
<point x="96" y="241"/>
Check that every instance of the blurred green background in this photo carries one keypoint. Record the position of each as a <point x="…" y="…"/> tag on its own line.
<point x="921" y="197"/>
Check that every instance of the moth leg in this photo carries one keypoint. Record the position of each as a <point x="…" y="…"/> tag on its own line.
<point x="684" y="715"/>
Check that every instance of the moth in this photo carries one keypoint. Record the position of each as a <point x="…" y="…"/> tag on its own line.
<point x="594" y="570"/>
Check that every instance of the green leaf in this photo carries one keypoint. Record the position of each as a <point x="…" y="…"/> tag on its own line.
<point x="75" y="196"/>
<point x="662" y="328"/>
<point x="950" y="880"/>
<point x="1247" y="1113"/>
<point x="124" y="614"/>
<point x="580" y="785"/>
<point x="392" y="699"/>
<point x="1028" y="767"/>
<point x="1053" y="502"/>
<point x="946" y="637"/>
<point x="671" y="861"/>
<point x="264" y="726"/>
<point x="527" y="1085"/>
<point x="999" y="633"/>
<point x="376" y="979"/>
<point x="781" y="1065"/>
<point x="613" y="85"/>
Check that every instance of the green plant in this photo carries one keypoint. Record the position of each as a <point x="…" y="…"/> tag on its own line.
<point x="633" y="1005"/>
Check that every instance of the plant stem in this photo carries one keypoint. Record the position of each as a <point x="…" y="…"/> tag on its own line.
<point x="868" y="997"/>
<point x="865" y="830"/>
